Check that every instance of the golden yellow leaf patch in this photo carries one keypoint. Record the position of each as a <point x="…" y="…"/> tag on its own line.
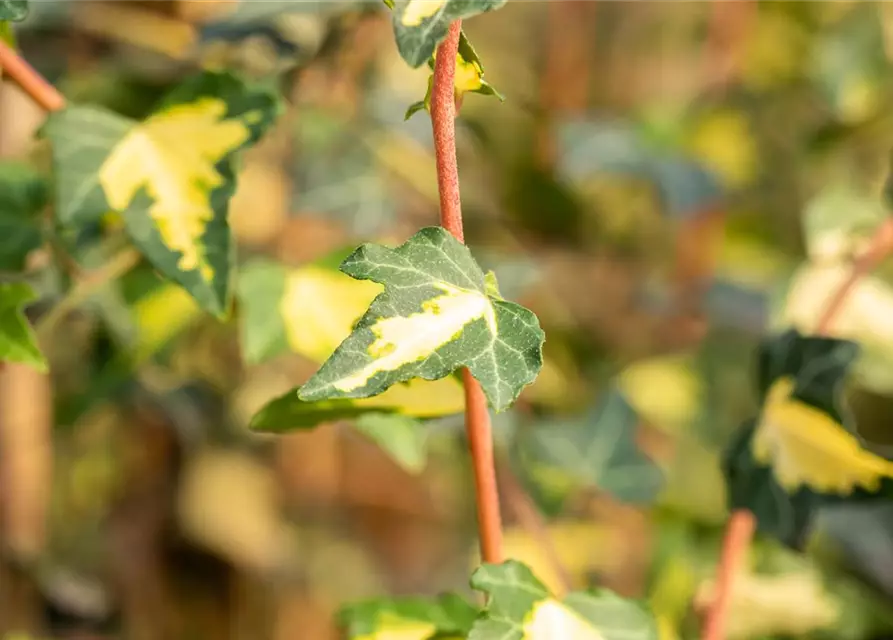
<point x="173" y="156"/>
<point x="807" y="448"/>
<point x="319" y="309"/>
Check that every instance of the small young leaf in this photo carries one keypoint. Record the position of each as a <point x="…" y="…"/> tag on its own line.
<point x="802" y="451"/>
<point x="408" y="619"/>
<point x="13" y="10"/>
<point x="469" y="78"/>
<point x="597" y="451"/>
<point x="434" y="317"/>
<point x="23" y="193"/>
<point x="171" y="176"/>
<point x="17" y="340"/>
<point x="420" y="25"/>
<point x="521" y="608"/>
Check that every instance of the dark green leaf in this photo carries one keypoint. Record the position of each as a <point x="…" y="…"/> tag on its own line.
<point x="817" y="365"/>
<point x="23" y="194"/>
<point x="420" y="25"/>
<point x="13" y="10"/>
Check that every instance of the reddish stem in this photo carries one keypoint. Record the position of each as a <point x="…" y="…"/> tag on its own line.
<point x="879" y="248"/>
<point x="31" y="82"/>
<point x="739" y="533"/>
<point x="443" y="121"/>
<point x="477" y="416"/>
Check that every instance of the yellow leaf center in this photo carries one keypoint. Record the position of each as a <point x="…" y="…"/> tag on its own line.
<point x="403" y="340"/>
<point x="173" y="156"/>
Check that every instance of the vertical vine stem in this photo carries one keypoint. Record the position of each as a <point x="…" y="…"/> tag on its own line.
<point x="736" y="541"/>
<point x="477" y="417"/>
<point x="740" y="529"/>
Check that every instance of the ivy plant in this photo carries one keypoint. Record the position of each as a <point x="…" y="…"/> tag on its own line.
<point x="406" y="332"/>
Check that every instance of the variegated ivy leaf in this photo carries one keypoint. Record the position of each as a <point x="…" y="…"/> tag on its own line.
<point x="420" y="25"/>
<point x="17" y="340"/>
<point x="447" y="618"/>
<point x="520" y="607"/>
<point x="13" y="10"/>
<point x="170" y="177"/>
<point x="802" y="451"/>
<point x="469" y="78"/>
<point x="277" y="319"/>
<point x="436" y="314"/>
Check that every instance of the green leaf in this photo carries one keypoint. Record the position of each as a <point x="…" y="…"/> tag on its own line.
<point x="521" y="608"/>
<point x="23" y="194"/>
<point x="260" y="290"/>
<point x="420" y="25"/>
<point x="7" y="35"/>
<point x="803" y="450"/>
<point x="404" y="438"/>
<point x="408" y="618"/>
<point x="421" y="105"/>
<point x="597" y="450"/>
<point x="13" y="10"/>
<point x="171" y="176"/>
<point x="433" y="317"/>
<point x="17" y="340"/>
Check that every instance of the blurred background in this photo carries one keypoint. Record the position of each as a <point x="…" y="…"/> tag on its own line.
<point x="665" y="184"/>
